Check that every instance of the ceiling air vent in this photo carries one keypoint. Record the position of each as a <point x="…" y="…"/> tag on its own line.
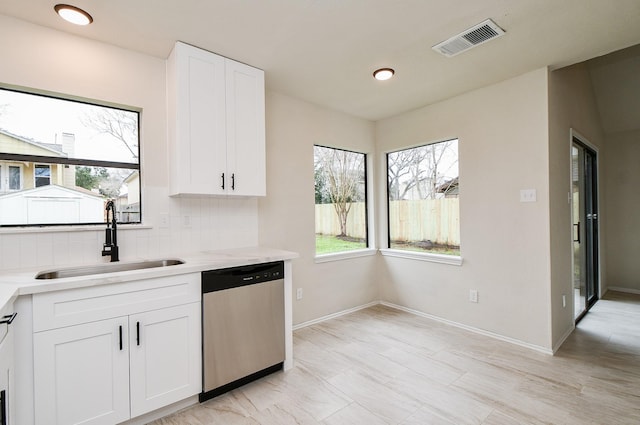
<point x="472" y="37"/>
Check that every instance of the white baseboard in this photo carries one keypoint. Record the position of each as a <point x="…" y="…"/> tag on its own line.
<point x="470" y="328"/>
<point x="437" y="319"/>
<point x="564" y="337"/>
<point x="621" y="289"/>
<point x="333" y="315"/>
<point x="163" y="411"/>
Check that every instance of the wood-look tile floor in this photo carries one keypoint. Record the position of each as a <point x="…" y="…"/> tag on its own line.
<point x="382" y="366"/>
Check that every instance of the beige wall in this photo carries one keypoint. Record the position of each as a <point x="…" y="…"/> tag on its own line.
<point x="287" y="218"/>
<point x="571" y="106"/>
<point x="621" y="180"/>
<point x="503" y="148"/>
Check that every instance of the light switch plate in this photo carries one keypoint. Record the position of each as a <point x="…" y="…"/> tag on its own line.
<point x="164" y="220"/>
<point x="528" y="195"/>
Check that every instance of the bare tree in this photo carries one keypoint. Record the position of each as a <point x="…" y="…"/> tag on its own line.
<point x="342" y="175"/>
<point x="418" y="170"/>
<point x="405" y="172"/>
<point x="118" y="123"/>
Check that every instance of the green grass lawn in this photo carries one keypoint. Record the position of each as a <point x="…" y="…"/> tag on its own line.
<point x="326" y="244"/>
<point x="447" y="250"/>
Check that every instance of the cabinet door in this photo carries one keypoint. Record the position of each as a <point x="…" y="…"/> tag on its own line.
<point x="245" y="129"/>
<point x="81" y="374"/>
<point x="200" y="147"/>
<point x="165" y="357"/>
<point x="6" y="377"/>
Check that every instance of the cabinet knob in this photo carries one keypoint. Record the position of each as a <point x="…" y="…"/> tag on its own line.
<point x="222" y="181"/>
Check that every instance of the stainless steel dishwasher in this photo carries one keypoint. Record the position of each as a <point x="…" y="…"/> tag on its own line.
<point x="242" y="326"/>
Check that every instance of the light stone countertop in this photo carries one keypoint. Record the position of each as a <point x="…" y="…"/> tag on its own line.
<point x="23" y="282"/>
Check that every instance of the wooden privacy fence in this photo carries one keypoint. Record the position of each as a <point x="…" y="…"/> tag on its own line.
<point x="435" y="220"/>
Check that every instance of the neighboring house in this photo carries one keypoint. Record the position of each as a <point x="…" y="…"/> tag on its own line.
<point x="21" y="175"/>
<point x="449" y="188"/>
<point x="128" y="206"/>
<point x="43" y="192"/>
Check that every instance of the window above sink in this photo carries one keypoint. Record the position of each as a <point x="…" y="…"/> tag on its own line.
<point x="62" y="159"/>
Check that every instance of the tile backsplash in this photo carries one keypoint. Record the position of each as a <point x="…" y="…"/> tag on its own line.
<point x="195" y="224"/>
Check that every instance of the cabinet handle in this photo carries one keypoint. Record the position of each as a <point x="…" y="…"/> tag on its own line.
<point x="222" y="181"/>
<point x="138" y="333"/>
<point x="8" y="319"/>
<point x="120" y="332"/>
<point x="3" y="407"/>
<point x="233" y="181"/>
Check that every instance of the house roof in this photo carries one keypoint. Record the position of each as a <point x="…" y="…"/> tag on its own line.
<point x="54" y="149"/>
<point x="448" y="186"/>
<point x="52" y="190"/>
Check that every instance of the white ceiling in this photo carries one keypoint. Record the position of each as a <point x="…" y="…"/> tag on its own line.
<point x="324" y="51"/>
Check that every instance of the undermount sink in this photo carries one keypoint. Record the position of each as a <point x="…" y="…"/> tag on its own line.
<point x="105" y="268"/>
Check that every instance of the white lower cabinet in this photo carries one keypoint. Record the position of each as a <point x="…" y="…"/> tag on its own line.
<point x="164" y="357"/>
<point x="108" y="370"/>
<point x="6" y="367"/>
<point x="82" y="374"/>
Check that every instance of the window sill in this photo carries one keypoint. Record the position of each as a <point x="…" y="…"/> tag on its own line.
<point x="66" y="229"/>
<point x="345" y="255"/>
<point x="453" y="260"/>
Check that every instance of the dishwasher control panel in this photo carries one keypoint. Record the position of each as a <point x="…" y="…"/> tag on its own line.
<point x="233" y="277"/>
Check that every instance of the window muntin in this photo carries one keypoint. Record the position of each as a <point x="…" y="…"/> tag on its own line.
<point x="72" y="154"/>
<point x="340" y="200"/>
<point x="423" y="202"/>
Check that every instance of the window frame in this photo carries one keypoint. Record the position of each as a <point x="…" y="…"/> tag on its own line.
<point x="36" y="177"/>
<point x="455" y="260"/>
<point x="368" y="249"/>
<point x="7" y="158"/>
<point x="5" y="176"/>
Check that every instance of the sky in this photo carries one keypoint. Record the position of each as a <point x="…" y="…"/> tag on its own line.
<point x="44" y="119"/>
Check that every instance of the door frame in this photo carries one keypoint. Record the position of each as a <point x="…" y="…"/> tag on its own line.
<point x="574" y="135"/>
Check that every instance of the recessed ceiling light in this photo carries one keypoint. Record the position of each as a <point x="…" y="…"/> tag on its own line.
<point x="383" y="74"/>
<point x="73" y="14"/>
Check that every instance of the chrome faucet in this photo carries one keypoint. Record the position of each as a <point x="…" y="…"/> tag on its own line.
<point x="110" y="246"/>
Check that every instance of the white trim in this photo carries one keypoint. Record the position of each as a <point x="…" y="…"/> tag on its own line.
<point x="162" y="412"/>
<point x="470" y="328"/>
<point x="564" y="337"/>
<point x="625" y="290"/>
<point x="435" y="318"/>
<point x="344" y="255"/>
<point x="453" y="260"/>
<point x="66" y="229"/>
<point x="334" y="315"/>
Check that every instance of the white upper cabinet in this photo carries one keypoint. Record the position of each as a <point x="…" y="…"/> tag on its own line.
<point x="216" y="124"/>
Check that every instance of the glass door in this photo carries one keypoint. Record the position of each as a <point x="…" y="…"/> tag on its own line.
<point x="585" y="227"/>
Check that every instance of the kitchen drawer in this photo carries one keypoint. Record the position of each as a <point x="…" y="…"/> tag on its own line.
<point x="57" y="309"/>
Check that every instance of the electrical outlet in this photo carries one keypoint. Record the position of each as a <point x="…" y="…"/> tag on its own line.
<point x="299" y="293"/>
<point x="528" y="195"/>
<point x="473" y="295"/>
<point x="186" y="221"/>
